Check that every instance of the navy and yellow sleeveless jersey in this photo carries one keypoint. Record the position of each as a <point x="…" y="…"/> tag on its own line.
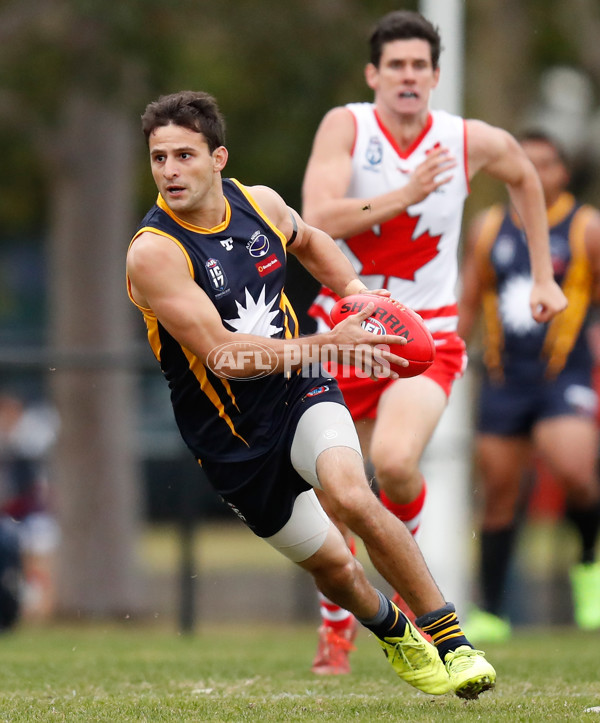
<point x="241" y="265"/>
<point x="515" y="344"/>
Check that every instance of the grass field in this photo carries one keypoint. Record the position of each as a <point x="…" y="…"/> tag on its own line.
<point x="133" y="673"/>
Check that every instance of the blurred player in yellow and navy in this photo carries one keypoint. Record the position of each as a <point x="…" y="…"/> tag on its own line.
<point x="207" y="269"/>
<point x="537" y="392"/>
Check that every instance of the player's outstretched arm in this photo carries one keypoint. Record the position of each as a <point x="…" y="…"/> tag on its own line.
<point x="315" y="249"/>
<point x="160" y="283"/>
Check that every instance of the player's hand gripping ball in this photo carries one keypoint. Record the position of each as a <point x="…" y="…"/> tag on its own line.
<point x="392" y="317"/>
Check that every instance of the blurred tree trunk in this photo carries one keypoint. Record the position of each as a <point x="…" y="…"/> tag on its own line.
<point x="581" y="19"/>
<point x="499" y="79"/>
<point x="95" y="469"/>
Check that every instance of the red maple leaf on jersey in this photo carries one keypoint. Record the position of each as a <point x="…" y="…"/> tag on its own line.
<point x="394" y="251"/>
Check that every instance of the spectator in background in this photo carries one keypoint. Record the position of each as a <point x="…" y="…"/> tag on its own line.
<point x="27" y="433"/>
<point x="536" y="396"/>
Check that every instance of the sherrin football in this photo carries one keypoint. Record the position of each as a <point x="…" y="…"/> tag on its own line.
<point x="392" y="317"/>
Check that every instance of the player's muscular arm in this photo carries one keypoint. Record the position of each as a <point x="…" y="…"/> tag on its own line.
<point x="498" y="154"/>
<point x="328" y="175"/>
<point x="315" y="249"/>
<point x="161" y="281"/>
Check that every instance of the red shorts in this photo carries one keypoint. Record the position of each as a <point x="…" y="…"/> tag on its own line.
<point x="362" y="395"/>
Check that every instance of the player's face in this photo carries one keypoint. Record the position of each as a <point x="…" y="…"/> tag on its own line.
<point x="186" y="173"/>
<point x="549" y="166"/>
<point x="405" y="77"/>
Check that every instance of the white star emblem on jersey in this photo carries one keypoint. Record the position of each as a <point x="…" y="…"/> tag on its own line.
<point x="514" y="306"/>
<point x="256" y="316"/>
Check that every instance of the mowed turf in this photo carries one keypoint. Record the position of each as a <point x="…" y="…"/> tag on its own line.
<point x="136" y="673"/>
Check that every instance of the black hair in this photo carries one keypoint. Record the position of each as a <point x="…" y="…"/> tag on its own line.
<point x="404" y="25"/>
<point x="195" y="110"/>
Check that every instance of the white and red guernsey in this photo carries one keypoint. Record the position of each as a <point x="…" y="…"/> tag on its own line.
<point x="415" y="254"/>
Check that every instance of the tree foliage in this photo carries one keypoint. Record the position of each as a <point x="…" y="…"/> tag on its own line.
<point x="274" y="69"/>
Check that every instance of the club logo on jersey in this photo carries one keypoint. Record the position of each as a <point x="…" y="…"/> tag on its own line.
<point x="227" y="244"/>
<point x="256" y="315"/>
<point x="374" y="153"/>
<point x="258" y="246"/>
<point x="269" y="264"/>
<point x="216" y="275"/>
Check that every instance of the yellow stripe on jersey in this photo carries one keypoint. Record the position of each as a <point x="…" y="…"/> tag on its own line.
<point x="560" y="209"/>
<point x="199" y="371"/>
<point x="288" y="311"/>
<point x="494" y="336"/>
<point x="261" y="213"/>
<point x="153" y="333"/>
<point x="160" y="202"/>
<point x="577" y="286"/>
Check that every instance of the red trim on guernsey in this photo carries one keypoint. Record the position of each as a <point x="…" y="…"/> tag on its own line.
<point x="404" y="154"/>
<point x="450" y="310"/>
<point x="444" y="336"/>
<point x="318" y="312"/>
<point x="326" y="291"/>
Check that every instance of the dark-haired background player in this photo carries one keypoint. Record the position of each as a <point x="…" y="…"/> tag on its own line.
<point x="390" y="178"/>
<point x="207" y="270"/>
<point x="537" y="395"/>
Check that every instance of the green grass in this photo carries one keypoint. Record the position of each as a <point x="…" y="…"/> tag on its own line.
<point x="128" y="673"/>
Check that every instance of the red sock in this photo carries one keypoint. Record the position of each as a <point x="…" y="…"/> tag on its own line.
<point x="409" y="513"/>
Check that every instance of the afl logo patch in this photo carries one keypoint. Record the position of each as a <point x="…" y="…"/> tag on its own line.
<point x="216" y="275"/>
<point x="317" y="390"/>
<point x="373" y="326"/>
<point x="258" y="246"/>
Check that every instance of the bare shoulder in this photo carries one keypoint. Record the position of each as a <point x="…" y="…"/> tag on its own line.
<point x="156" y="265"/>
<point x="340" y="116"/>
<point x="269" y="200"/>
<point x="153" y="257"/>
<point x="488" y="144"/>
<point x="275" y="208"/>
<point x="149" y="249"/>
<point x="337" y="125"/>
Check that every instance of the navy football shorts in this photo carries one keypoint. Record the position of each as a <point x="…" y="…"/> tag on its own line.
<point x="262" y="490"/>
<point x="512" y="407"/>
